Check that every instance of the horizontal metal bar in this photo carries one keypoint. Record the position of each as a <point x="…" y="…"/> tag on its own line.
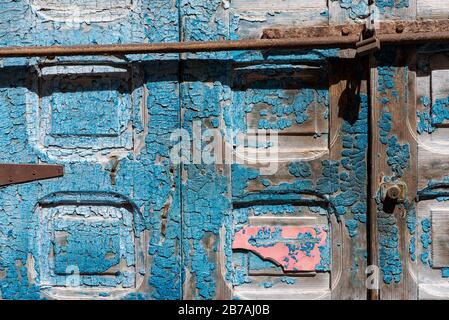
<point x="414" y="38"/>
<point x="319" y="37"/>
<point x="179" y="47"/>
<point x="12" y="173"/>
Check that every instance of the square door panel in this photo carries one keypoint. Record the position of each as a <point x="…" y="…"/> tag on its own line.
<point x="288" y="103"/>
<point x="86" y="243"/>
<point x="78" y="242"/>
<point x="85" y="111"/>
<point x="281" y="252"/>
<point x="440" y="238"/>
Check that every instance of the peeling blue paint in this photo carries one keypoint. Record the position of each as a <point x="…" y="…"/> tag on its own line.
<point x="288" y="280"/>
<point x="386" y="5"/>
<point x="398" y="156"/>
<point x="411" y="226"/>
<point x="146" y="183"/>
<point x="325" y="256"/>
<point x="300" y="169"/>
<point x="267" y="284"/>
<point x="352" y="227"/>
<point x="389" y="256"/>
<point x="440" y="111"/>
<point x="426" y="240"/>
<point x="357" y="9"/>
<point x="424" y="118"/>
<point x="151" y="186"/>
<point x="445" y="272"/>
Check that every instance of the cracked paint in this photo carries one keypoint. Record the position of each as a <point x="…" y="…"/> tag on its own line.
<point x="137" y="102"/>
<point x="293" y="248"/>
<point x="397" y="159"/>
<point x="357" y="9"/>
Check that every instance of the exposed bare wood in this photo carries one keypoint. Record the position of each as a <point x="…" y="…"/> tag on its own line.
<point x="404" y="286"/>
<point x="345" y="84"/>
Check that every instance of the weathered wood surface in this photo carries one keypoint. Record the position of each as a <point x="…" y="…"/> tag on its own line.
<point x="434" y="9"/>
<point x="172" y="231"/>
<point x="393" y="158"/>
<point x="432" y="68"/>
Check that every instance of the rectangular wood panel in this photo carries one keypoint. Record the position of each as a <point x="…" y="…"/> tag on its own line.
<point x="440" y="238"/>
<point x="434" y="9"/>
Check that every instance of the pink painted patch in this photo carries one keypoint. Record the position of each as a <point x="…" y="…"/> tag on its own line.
<point x="295" y="248"/>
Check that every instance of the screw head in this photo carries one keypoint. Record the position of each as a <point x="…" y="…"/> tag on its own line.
<point x="393" y="192"/>
<point x="400" y="28"/>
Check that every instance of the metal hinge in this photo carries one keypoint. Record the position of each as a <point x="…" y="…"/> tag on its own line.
<point x="20" y="173"/>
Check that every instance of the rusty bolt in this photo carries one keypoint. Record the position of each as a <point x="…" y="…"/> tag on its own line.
<point x="345" y="31"/>
<point x="393" y="192"/>
<point x="400" y="28"/>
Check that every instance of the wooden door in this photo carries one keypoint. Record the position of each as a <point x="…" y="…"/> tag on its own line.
<point x="109" y="228"/>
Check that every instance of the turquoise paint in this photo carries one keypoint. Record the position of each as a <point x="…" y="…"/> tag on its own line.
<point x="352" y="227"/>
<point x="79" y="248"/>
<point x="426" y="240"/>
<point x="266" y="237"/>
<point x="288" y="280"/>
<point x="344" y="181"/>
<point x="273" y="209"/>
<point x="398" y="156"/>
<point x="389" y="257"/>
<point x="300" y="169"/>
<point x="386" y="80"/>
<point x="353" y="179"/>
<point x="445" y="272"/>
<point x="146" y="186"/>
<point x="256" y="263"/>
<point x="240" y="276"/>
<point x="278" y="109"/>
<point x="433" y="115"/>
<point x="325" y="255"/>
<point x="385" y="127"/>
<point x="411" y="226"/>
<point x="267" y="284"/>
<point x="412" y="248"/>
<point x="151" y="187"/>
<point x="206" y="206"/>
<point x="440" y="111"/>
<point x="436" y="189"/>
<point x="357" y="9"/>
<point x="424" y="118"/>
<point x="386" y="5"/>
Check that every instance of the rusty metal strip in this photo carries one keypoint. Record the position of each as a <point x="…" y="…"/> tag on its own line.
<point x="19" y="173"/>
<point x="387" y="31"/>
<point x="342" y="36"/>
<point x="179" y="47"/>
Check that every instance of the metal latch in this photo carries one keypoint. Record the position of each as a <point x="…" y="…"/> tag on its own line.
<point x="367" y="46"/>
<point x="19" y="173"/>
<point x="393" y="191"/>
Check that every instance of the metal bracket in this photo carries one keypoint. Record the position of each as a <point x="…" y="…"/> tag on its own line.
<point x="393" y="191"/>
<point x="367" y="46"/>
<point x="20" y="173"/>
